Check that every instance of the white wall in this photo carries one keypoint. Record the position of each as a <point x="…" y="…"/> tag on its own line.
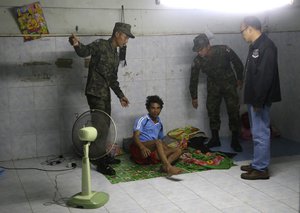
<point x="39" y="102"/>
<point x="146" y="18"/>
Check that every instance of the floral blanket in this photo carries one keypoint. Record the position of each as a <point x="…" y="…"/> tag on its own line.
<point x="192" y="161"/>
<point x="182" y="135"/>
<point x="194" y="158"/>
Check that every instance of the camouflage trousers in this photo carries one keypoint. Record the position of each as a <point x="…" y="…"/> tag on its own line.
<point x="103" y="104"/>
<point x="100" y="104"/>
<point x="216" y="92"/>
<point x="100" y="122"/>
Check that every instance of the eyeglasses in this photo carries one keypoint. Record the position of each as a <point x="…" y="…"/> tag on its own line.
<point x="243" y="30"/>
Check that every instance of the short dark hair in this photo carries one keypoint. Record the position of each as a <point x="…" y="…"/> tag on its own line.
<point x="154" y="99"/>
<point x="252" y="21"/>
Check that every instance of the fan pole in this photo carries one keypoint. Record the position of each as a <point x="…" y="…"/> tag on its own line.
<point x="87" y="199"/>
<point x="86" y="172"/>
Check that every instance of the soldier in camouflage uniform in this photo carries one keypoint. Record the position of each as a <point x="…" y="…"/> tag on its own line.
<point x="103" y="74"/>
<point x="222" y="82"/>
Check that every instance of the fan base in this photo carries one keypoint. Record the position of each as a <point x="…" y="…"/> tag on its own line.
<point x="92" y="201"/>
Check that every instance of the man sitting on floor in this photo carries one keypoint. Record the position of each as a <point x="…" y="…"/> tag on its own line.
<point x="148" y="147"/>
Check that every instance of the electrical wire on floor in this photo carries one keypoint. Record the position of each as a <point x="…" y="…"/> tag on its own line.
<point x="54" y="161"/>
<point x="50" y="162"/>
<point x="39" y="169"/>
<point x="57" y="199"/>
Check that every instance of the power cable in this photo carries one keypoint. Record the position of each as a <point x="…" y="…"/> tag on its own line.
<point x="39" y="169"/>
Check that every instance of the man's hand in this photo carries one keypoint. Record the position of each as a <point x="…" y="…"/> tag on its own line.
<point x="124" y="102"/>
<point x="74" y="40"/>
<point x="195" y="103"/>
<point x="145" y="151"/>
<point x="239" y="84"/>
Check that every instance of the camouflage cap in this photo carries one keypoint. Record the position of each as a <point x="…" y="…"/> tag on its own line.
<point x="200" y="41"/>
<point x="124" y="28"/>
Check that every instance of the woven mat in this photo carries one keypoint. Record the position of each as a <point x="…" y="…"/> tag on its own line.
<point x="127" y="170"/>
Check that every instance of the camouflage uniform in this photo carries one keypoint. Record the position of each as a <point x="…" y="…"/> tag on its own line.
<point x="221" y="83"/>
<point x="103" y="73"/>
<point x="103" y="76"/>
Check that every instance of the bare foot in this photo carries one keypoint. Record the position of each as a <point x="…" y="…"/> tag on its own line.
<point x="172" y="170"/>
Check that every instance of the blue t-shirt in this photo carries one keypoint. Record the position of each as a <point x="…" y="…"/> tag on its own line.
<point x="148" y="129"/>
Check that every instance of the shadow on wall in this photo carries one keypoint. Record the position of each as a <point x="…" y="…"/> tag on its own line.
<point x="39" y="101"/>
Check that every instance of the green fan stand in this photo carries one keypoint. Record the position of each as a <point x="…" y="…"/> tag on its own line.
<point x="87" y="199"/>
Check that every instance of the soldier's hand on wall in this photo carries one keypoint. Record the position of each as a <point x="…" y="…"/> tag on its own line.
<point x="124" y="102"/>
<point x="74" y="40"/>
<point x="195" y="103"/>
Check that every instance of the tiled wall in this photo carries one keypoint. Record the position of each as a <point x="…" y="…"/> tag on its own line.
<point x="39" y="102"/>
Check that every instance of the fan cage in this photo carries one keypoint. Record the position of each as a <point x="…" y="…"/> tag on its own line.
<point x="106" y="129"/>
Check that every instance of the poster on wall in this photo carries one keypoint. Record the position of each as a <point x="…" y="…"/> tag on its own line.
<point x="31" y="21"/>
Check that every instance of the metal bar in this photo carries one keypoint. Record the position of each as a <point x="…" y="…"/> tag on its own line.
<point x="141" y="34"/>
<point x="48" y="35"/>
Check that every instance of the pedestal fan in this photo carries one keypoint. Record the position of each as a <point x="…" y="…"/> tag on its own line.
<point x="94" y="134"/>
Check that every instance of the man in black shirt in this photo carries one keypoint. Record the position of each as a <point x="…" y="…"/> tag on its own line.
<point x="262" y="88"/>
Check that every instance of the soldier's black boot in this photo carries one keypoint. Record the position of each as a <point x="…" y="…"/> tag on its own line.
<point x="235" y="144"/>
<point x="215" y="140"/>
<point x="103" y="167"/>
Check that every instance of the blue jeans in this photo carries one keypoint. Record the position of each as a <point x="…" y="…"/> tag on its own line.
<point x="261" y="136"/>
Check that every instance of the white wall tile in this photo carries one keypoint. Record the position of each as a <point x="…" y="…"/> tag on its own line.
<point x="21" y="98"/>
<point x="23" y="146"/>
<point x="156" y="65"/>
<point x="22" y="122"/>
<point x="48" y="143"/>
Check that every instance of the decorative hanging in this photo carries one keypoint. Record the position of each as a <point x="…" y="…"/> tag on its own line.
<point x="122" y="51"/>
<point x="31" y="21"/>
